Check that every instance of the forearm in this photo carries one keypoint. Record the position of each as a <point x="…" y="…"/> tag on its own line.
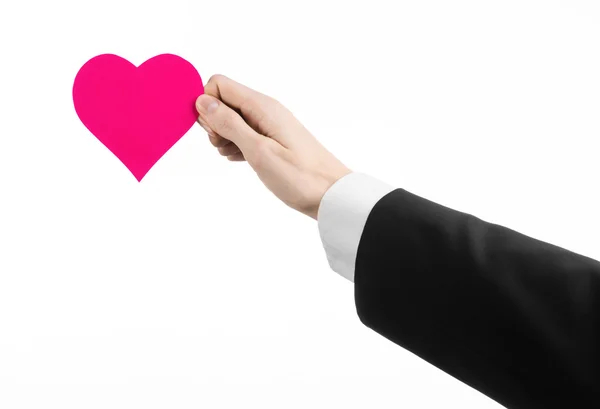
<point x="514" y="317"/>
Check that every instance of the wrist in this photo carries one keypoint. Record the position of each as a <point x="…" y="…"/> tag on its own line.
<point x="326" y="180"/>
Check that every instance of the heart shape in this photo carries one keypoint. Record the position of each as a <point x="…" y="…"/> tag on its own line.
<point x="138" y="113"/>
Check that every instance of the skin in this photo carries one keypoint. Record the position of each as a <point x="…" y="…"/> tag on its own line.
<point x="245" y="125"/>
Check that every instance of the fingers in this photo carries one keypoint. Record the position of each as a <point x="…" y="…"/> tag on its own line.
<point x="263" y="113"/>
<point x="224" y="146"/>
<point x="216" y="140"/>
<point x="238" y="157"/>
<point x="225" y="123"/>
<point x="230" y="92"/>
<point x="229" y="149"/>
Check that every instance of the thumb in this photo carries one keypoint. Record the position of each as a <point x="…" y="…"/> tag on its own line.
<point x="227" y="123"/>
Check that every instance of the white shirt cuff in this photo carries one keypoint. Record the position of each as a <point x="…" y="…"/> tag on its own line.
<point x="342" y="215"/>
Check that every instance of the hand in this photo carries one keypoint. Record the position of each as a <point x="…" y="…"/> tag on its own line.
<point x="247" y="125"/>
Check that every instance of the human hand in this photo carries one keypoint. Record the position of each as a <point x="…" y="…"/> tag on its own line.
<point x="247" y="125"/>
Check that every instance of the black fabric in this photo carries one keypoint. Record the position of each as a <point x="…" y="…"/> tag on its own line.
<point x="513" y="317"/>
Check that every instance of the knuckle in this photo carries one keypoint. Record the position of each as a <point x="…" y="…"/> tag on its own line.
<point x="224" y="124"/>
<point x="278" y="111"/>
<point x="248" y="105"/>
<point x="252" y="108"/>
<point x="274" y="105"/>
<point x="263" y="111"/>
<point x="215" y="78"/>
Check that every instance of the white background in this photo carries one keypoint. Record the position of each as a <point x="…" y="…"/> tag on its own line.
<point x="196" y="287"/>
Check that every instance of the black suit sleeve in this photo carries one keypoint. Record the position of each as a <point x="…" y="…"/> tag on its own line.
<point x="511" y="316"/>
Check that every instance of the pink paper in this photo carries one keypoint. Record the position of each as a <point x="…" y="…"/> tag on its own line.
<point x="138" y="113"/>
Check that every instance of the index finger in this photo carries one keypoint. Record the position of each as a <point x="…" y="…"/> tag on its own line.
<point x="232" y="93"/>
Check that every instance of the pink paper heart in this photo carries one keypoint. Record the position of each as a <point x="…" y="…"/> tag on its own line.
<point x="138" y="113"/>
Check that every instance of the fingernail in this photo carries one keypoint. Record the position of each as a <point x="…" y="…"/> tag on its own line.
<point x="206" y="104"/>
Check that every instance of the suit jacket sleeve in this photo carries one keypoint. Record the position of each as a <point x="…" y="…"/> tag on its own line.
<point x="513" y="317"/>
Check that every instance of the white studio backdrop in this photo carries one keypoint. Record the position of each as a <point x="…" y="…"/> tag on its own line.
<point x="196" y="287"/>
